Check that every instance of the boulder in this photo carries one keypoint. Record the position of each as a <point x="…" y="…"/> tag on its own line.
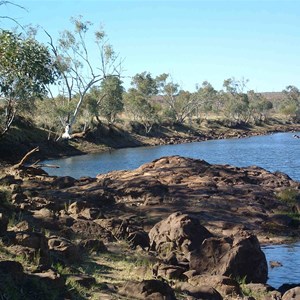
<point x="201" y="292"/>
<point x="237" y="257"/>
<point x="32" y="240"/>
<point x="168" y="271"/>
<point x="93" y="245"/>
<point x="31" y="245"/>
<point x="22" y="226"/>
<point x="49" y="278"/>
<point x="139" y="238"/>
<point x="126" y="228"/>
<point x="223" y="284"/>
<point x="292" y="294"/>
<point x="91" y="230"/>
<point x="180" y="233"/>
<point x="11" y="267"/>
<point x="148" y="289"/>
<point x="17" y="198"/>
<point x="82" y="209"/>
<point x="63" y="182"/>
<point x="64" y="249"/>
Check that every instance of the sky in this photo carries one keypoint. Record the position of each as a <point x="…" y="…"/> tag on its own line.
<point x="192" y="40"/>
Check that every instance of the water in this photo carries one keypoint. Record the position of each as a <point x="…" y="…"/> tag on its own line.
<point x="289" y="256"/>
<point x="276" y="152"/>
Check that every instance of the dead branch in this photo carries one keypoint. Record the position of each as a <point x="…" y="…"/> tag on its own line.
<point x="25" y="158"/>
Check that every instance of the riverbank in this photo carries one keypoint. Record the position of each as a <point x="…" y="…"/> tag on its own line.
<point x="25" y="137"/>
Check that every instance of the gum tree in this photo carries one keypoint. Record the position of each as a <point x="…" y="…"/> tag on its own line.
<point x="291" y="103"/>
<point x="139" y="100"/>
<point x="107" y="101"/>
<point x="26" y="68"/>
<point x="79" y="73"/>
<point x="180" y="104"/>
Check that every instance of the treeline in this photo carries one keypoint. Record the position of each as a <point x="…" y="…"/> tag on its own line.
<point x="63" y="91"/>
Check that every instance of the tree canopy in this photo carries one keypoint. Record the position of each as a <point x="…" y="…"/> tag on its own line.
<point x="26" y="68"/>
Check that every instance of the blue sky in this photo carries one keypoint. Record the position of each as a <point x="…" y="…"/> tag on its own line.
<point x="192" y="40"/>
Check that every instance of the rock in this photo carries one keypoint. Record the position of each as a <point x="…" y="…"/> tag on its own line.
<point x="22" y="226"/>
<point x="18" y="198"/>
<point x="3" y="224"/>
<point x="139" y="238"/>
<point x="63" y="182"/>
<point x="91" y="230"/>
<point x="44" y="213"/>
<point x="64" y="249"/>
<point x="11" y="267"/>
<point x="168" y="271"/>
<point x="46" y="218"/>
<point x="50" y="278"/>
<point x="148" y="289"/>
<point x="82" y="209"/>
<point x="93" y="245"/>
<point x="287" y="286"/>
<point x="121" y="228"/>
<point x="76" y="207"/>
<point x="180" y="233"/>
<point x="32" y="240"/>
<point x="239" y="257"/>
<point x="275" y="264"/>
<point x="201" y="292"/>
<point x="259" y="289"/>
<point x="292" y="294"/>
<point x="282" y="220"/>
<point x="223" y="284"/>
<point x="9" y="179"/>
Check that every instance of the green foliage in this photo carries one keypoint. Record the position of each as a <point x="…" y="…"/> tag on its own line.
<point x="145" y="84"/>
<point x="79" y="75"/>
<point x="26" y="68"/>
<point x="139" y="100"/>
<point x="108" y="100"/>
<point x="291" y="103"/>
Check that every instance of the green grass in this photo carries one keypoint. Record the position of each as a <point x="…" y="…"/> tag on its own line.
<point x="289" y="196"/>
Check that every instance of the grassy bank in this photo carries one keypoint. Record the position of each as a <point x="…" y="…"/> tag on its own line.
<point x="24" y="136"/>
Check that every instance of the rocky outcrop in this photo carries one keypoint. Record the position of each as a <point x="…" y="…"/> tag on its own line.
<point x="179" y="234"/>
<point x="182" y="237"/>
<point x="292" y="294"/>
<point x="239" y="257"/>
<point x="198" y="221"/>
<point x="148" y="289"/>
<point x="221" y="195"/>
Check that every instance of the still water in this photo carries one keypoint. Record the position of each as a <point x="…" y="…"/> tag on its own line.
<point x="276" y="152"/>
<point x="289" y="257"/>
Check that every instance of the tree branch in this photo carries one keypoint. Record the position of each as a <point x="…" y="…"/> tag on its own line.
<point x="25" y="158"/>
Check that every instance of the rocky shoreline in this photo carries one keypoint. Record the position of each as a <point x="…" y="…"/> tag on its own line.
<point x="186" y="228"/>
